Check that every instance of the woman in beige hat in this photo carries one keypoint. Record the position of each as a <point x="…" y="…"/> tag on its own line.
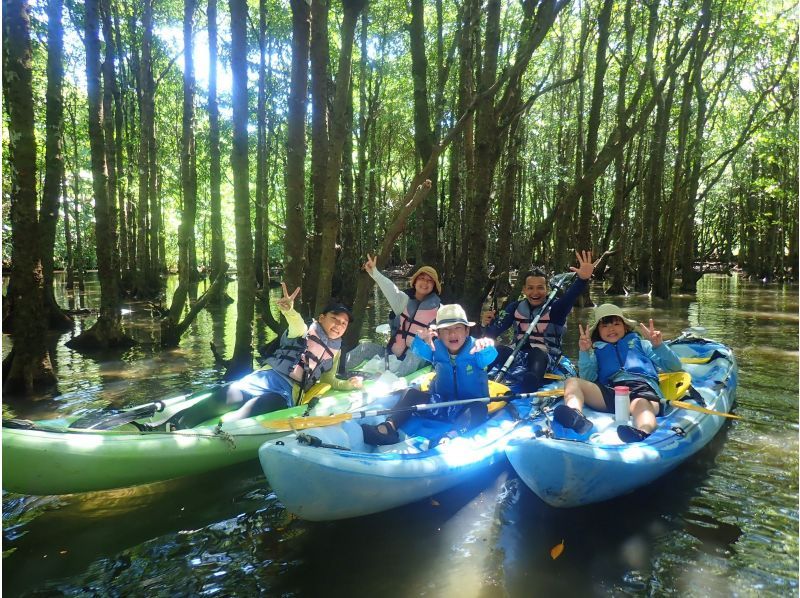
<point x="612" y="354"/>
<point x="416" y="307"/>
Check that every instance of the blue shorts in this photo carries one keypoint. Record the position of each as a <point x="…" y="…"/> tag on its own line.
<point x="264" y="382"/>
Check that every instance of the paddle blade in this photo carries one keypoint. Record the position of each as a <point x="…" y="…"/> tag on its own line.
<point x="691" y="407"/>
<point x="291" y="424"/>
<point x="553" y="392"/>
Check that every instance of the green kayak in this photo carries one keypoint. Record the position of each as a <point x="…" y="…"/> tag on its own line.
<point x="56" y="457"/>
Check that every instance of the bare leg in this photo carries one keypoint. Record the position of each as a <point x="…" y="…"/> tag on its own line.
<point x="578" y="392"/>
<point x="644" y="414"/>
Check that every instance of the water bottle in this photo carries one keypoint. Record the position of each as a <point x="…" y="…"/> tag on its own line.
<point x="622" y="405"/>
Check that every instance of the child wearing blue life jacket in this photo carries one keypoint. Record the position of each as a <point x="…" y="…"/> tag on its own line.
<point x="612" y="354"/>
<point x="459" y="362"/>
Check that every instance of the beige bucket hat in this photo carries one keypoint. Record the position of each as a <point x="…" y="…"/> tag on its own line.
<point x="609" y="309"/>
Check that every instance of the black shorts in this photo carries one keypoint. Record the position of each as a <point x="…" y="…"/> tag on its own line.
<point x="638" y="388"/>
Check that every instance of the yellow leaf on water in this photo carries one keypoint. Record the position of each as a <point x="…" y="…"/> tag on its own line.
<point x="434" y="502"/>
<point x="556" y="550"/>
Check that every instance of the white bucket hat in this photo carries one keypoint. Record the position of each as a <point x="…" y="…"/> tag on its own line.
<point x="609" y="309"/>
<point x="450" y="315"/>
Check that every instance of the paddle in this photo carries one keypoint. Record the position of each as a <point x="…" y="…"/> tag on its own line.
<point x="301" y="423"/>
<point x="105" y="420"/>
<point x="556" y="284"/>
<point x="690" y="407"/>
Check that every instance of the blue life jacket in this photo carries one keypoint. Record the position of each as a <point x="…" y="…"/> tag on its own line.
<point x="546" y="335"/>
<point x="626" y="355"/>
<point x="304" y="359"/>
<point x="458" y="376"/>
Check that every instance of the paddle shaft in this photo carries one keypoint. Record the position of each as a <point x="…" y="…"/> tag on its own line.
<point x="293" y="423"/>
<point x="550" y="298"/>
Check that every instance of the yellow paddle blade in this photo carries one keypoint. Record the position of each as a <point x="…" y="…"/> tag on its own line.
<point x="316" y="390"/>
<point x="691" y="407"/>
<point x="674" y="384"/>
<point x="695" y="359"/>
<point x="553" y="392"/>
<point x="550" y="376"/>
<point x="497" y="389"/>
<point x="290" y="424"/>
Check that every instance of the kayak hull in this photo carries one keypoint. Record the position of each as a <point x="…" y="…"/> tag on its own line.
<point x="52" y="458"/>
<point x="351" y="479"/>
<point x="573" y="472"/>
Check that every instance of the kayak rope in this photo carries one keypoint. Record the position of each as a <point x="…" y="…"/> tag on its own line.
<point x="218" y="431"/>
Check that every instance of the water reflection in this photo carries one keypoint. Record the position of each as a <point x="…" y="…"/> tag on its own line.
<point x="724" y="523"/>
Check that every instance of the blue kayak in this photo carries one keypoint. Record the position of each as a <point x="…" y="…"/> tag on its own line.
<point x="568" y="471"/>
<point x="329" y="473"/>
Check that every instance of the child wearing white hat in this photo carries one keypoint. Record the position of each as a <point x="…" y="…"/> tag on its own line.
<point x="459" y="362"/>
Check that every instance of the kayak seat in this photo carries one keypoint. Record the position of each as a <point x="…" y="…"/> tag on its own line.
<point x="674" y="384"/>
<point x="496" y="389"/>
<point x="318" y="389"/>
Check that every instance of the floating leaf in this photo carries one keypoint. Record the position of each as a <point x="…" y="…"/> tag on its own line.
<point x="434" y="502"/>
<point x="556" y="550"/>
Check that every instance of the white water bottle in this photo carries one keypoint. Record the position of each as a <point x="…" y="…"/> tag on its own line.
<point x="622" y="405"/>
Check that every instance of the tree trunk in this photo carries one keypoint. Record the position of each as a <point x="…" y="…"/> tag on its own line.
<point x="67" y="232"/>
<point x="242" y="360"/>
<point x="187" y="270"/>
<point x="689" y="276"/>
<point x="261" y="150"/>
<point x="107" y="331"/>
<point x="339" y="129"/>
<point x="144" y="267"/>
<point x="618" y="236"/>
<point x="294" y="243"/>
<point x="109" y="143"/>
<point x="319" y="144"/>
<point x="423" y="133"/>
<point x="28" y="367"/>
<point x="54" y="162"/>
<point x="215" y="170"/>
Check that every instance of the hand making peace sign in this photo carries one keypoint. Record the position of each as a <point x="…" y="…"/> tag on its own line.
<point x="585" y="341"/>
<point x="286" y="303"/>
<point x="653" y="335"/>
<point x="371" y="264"/>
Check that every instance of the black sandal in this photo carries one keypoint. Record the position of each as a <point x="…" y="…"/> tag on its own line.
<point x="381" y="434"/>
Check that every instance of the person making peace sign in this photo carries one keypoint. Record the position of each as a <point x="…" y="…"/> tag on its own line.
<point x="612" y="354"/>
<point x="307" y="354"/>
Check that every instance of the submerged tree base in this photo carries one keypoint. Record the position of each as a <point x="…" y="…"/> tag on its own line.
<point x="105" y="334"/>
<point x="24" y="374"/>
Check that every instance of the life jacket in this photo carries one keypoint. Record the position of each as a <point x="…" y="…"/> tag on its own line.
<point x="305" y="358"/>
<point x="546" y="335"/>
<point x="458" y="376"/>
<point x="627" y="356"/>
<point x="416" y="316"/>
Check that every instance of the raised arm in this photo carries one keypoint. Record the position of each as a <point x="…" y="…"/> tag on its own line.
<point x="397" y="299"/>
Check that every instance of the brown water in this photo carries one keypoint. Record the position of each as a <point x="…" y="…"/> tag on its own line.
<point x="725" y="523"/>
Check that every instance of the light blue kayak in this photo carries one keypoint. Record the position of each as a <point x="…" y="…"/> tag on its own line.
<point x="569" y="472"/>
<point x="344" y="477"/>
